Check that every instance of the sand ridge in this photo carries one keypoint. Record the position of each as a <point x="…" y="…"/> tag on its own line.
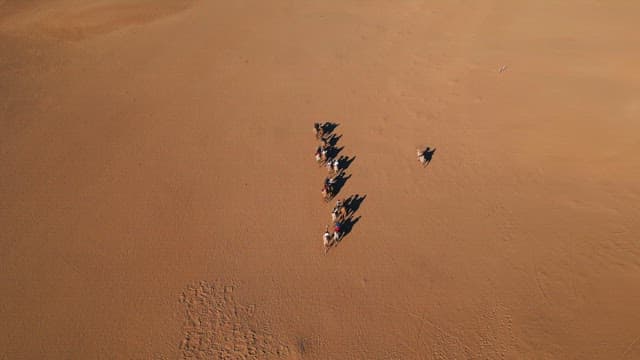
<point x="75" y="20"/>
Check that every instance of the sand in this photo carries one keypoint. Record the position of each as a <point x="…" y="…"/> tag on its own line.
<point x="160" y="199"/>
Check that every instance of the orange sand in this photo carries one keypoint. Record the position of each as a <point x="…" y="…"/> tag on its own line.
<point x="160" y="199"/>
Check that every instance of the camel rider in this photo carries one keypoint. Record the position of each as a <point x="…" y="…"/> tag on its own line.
<point x="337" y="227"/>
<point x="335" y="211"/>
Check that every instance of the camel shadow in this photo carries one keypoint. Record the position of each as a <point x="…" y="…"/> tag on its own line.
<point x="333" y="139"/>
<point x="333" y="151"/>
<point x="345" y="162"/>
<point x="347" y="226"/>
<point x="329" y="127"/>
<point x="352" y="203"/>
<point x="340" y="181"/>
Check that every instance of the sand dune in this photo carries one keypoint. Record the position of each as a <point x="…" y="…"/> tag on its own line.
<point x="75" y="20"/>
<point x="161" y="200"/>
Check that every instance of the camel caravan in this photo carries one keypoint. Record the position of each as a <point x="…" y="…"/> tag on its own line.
<point x="326" y="155"/>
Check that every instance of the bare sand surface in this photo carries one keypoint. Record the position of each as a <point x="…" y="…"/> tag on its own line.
<point x="160" y="199"/>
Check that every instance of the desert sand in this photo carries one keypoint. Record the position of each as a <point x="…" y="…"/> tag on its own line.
<point x="160" y="199"/>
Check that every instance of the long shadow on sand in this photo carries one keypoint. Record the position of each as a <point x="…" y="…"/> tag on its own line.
<point x="340" y="181"/>
<point x="353" y="202"/>
<point x="347" y="226"/>
<point x="333" y="151"/>
<point x="333" y="139"/>
<point x="345" y="162"/>
<point x="329" y="127"/>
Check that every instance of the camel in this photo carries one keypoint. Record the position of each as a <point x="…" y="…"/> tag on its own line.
<point x="424" y="156"/>
<point x="326" y="239"/>
<point x="336" y="236"/>
<point x="339" y="212"/>
<point x="329" y="165"/>
<point x="326" y="193"/>
<point x="318" y="129"/>
<point x="324" y="152"/>
<point x="336" y="165"/>
<point x="421" y="157"/>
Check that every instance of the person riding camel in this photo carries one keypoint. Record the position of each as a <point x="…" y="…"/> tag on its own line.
<point x="319" y="129"/>
<point x="336" y="165"/>
<point x="335" y="214"/>
<point x="326" y="238"/>
<point x="337" y="231"/>
<point x="340" y="209"/>
<point x="329" y="166"/>
<point x="326" y="192"/>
